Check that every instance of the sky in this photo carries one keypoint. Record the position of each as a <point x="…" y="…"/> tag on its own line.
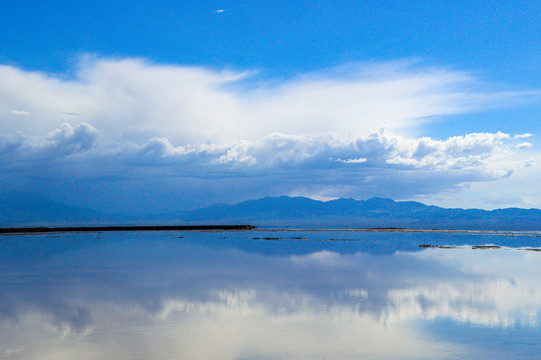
<point x="151" y="106"/>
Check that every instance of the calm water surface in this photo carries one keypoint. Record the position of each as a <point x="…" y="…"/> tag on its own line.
<point x="236" y="295"/>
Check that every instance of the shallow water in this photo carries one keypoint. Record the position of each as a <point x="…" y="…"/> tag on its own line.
<point x="293" y="295"/>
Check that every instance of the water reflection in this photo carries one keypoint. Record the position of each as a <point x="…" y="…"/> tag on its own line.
<point x="152" y="295"/>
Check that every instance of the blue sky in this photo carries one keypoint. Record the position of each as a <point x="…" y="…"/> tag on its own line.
<point x="170" y="104"/>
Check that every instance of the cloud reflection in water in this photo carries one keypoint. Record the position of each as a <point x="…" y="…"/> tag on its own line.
<point x="138" y="296"/>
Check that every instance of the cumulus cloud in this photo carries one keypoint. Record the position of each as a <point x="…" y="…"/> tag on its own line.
<point x="64" y="141"/>
<point x="340" y="132"/>
<point x="70" y="139"/>
<point x="10" y="142"/>
<point x="379" y="163"/>
<point x="322" y="151"/>
<point x="280" y="151"/>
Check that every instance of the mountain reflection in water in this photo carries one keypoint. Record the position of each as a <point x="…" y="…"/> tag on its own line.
<point x="229" y="296"/>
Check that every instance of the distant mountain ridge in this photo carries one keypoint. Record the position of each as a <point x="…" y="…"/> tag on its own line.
<point x="23" y="209"/>
<point x="374" y="212"/>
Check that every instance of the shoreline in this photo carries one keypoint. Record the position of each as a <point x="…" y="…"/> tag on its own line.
<point x="38" y="230"/>
<point x="243" y="227"/>
<point x="406" y="230"/>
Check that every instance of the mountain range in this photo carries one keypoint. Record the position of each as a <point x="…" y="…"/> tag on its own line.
<point x="24" y="209"/>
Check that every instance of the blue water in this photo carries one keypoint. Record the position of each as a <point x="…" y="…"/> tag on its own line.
<point x="294" y="295"/>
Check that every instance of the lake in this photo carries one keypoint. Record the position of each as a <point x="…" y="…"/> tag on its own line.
<point x="270" y="294"/>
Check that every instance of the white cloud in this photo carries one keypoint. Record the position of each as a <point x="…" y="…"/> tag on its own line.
<point x="57" y="144"/>
<point x="524" y="145"/>
<point x="530" y="162"/>
<point x="71" y="139"/>
<point x="219" y="11"/>
<point x="353" y="303"/>
<point x="353" y="161"/>
<point x="523" y="136"/>
<point x="310" y="151"/>
<point x="10" y="142"/>
<point x="20" y="112"/>
<point x="380" y="163"/>
<point x="134" y="99"/>
<point x="318" y="134"/>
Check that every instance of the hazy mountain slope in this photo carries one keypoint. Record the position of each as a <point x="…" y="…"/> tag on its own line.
<point x="21" y="209"/>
